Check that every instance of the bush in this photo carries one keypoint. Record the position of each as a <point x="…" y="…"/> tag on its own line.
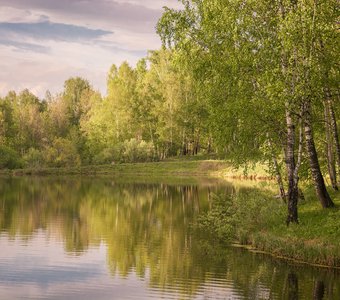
<point x="219" y="222"/>
<point x="9" y="158"/>
<point x="62" y="153"/>
<point x="138" y="151"/>
<point x="108" y="155"/>
<point x="33" y="158"/>
<point x="238" y="217"/>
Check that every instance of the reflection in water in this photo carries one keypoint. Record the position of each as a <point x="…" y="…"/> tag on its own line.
<point x="132" y="240"/>
<point x="319" y="290"/>
<point x="293" y="286"/>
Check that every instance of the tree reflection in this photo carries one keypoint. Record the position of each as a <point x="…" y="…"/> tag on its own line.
<point x="146" y="229"/>
<point x="292" y="286"/>
<point x="319" y="290"/>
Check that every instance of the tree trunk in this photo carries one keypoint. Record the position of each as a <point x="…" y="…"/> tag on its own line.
<point x="184" y="144"/>
<point x="279" y="180"/>
<point x="291" y="166"/>
<point x="292" y="196"/>
<point x="209" y="145"/>
<point x="329" y="147"/>
<point x="196" y="141"/>
<point x="277" y="172"/>
<point x="334" y="131"/>
<point x="317" y="177"/>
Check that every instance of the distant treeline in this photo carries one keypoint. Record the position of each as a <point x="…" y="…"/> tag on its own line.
<point x="148" y="114"/>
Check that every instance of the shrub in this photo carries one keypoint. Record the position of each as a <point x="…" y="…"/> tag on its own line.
<point x="33" y="158"/>
<point x="138" y="151"/>
<point x="9" y="158"/>
<point x="62" y="153"/>
<point x="240" y="216"/>
<point x="108" y="155"/>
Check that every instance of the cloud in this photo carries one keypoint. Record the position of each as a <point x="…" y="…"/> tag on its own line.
<point x="47" y="30"/>
<point x="21" y="46"/>
<point x="101" y="13"/>
<point x="40" y="72"/>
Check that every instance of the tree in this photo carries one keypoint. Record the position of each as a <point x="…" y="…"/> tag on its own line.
<point x="75" y="96"/>
<point x="28" y="116"/>
<point x="262" y="57"/>
<point x="121" y="99"/>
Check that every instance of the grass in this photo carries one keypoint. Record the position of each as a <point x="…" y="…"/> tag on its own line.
<point x="315" y="240"/>
<point x="257" y="171"/>
<point x="256" y="220"/>
<point x="173" y="167"/>
<point x="183" y="167"/>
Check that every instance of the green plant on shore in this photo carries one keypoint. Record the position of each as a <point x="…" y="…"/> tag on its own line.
<point x="238" y="216"/>
<point x="252" y="217"/>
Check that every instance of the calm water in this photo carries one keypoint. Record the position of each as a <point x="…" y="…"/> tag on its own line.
<point x="72" y="238"/>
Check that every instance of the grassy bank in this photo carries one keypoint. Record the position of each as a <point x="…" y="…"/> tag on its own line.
<point x="213" y="168"/>
<point x="180" y="167"/>
<point x="315" y="240"/>
<point x="257" y="220"/>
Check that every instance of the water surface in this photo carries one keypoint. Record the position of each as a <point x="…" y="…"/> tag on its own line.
<point x="86" y="238"/>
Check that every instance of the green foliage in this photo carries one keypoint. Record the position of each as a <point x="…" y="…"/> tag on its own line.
<point x="219" y="222"/>
<point x="76" y="93"/>
<point x="109" y="155"/>
<point x="9" y="158"/>
<point x="221" y="87"/>
<point x="138" y="151"/>
<point x="254" y="217"/>
<point x="238" y="216"/>
<point x="62" y="153"/>
<point x="34" y="158"/>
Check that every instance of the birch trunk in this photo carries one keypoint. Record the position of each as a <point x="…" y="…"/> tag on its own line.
<point x="329" y="147"/>
<point x="277" y="172"/>
<point x="292" y="196"/>
<point x="317" y="177"/>
<point x="279" y="180"/>
<point x="335" y="132"/>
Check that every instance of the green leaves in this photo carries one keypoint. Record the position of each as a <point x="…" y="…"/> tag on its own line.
<point x="9" y="158"/>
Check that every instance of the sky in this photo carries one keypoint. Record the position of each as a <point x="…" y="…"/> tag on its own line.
<point x="45" y="42"/>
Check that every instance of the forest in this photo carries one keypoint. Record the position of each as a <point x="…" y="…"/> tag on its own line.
<point x="245" y="81"/>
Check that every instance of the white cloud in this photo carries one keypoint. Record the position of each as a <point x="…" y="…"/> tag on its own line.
<point x="40" y="72"/>
<point x="11" y="14"/>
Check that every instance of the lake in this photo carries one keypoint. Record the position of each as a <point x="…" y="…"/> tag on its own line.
<point x="109" y="238"/>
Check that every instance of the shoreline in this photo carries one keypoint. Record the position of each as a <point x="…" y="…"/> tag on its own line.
<point x="209" y="168"/>
<point x="252" y="249"/>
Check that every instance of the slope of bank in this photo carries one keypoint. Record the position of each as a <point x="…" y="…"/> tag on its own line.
<point x="316" y="240"/>
<point x="255" y="219"/>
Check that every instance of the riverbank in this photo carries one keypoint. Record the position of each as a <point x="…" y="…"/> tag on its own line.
<point x="255" y="219"/>
<point x="315" y="240"/>
<point x="177" y="167"/>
